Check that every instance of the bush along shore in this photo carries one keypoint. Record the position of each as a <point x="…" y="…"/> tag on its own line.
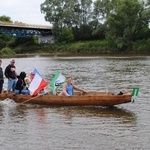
<point x="77" y="48"/>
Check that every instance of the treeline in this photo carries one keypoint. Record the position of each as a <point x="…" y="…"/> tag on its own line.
<point x="99" y="26"/>
<point x="120" y="22"/>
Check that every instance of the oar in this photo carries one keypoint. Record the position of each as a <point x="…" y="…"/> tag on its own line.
<point x="29" y="100"/>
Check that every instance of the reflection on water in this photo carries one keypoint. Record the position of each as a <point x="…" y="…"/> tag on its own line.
<point x="68" y="113"/>
<point x="66" y="124"/>
<point x="122" y="127"/>
<point x="93" y="112"/>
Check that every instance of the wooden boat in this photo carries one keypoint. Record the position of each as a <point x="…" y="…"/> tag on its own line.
<point x="87" y="99"/>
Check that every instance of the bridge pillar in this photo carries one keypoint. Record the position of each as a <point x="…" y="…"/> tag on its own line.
<point x="46" y="39"/>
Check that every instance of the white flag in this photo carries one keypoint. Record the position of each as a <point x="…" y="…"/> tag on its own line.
<point x="58" y="80"/>
<point x="37" y="84"/>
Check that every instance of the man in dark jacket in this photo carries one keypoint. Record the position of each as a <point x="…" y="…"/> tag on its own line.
<point x="1" y="77"/>
<point x="10" y="73"/>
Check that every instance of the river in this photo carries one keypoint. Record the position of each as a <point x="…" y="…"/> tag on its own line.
<point x="124" y="127"/>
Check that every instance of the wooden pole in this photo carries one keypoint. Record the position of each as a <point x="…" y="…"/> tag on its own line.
<point x="29" y="100"/>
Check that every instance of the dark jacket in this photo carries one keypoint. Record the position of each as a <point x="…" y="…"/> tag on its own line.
<point x="1" y="75"/>
<point x="1" y="79"/>
<point x="9" y="73"/>
<point x="20" y="83"/>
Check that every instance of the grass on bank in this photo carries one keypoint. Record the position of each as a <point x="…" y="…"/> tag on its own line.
<point x="88" y="47"/>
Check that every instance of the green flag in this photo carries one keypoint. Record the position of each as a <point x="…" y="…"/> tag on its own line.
<point x="135" y="92"/>
<point x="57" y="80"/>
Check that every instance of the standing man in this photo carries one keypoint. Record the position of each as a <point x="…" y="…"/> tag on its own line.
<point x="1" y="77"/>
<point x="10" y="73"/>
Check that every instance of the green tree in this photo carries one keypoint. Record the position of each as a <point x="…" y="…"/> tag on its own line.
<point x="4" y="39"/>
<point x="82" y="33"/>
<point x="26" y="41"/>
<point x="102" y="8"/>
<point x="83" y="11"/>
<point x="5" y="18"/>
<point x="66" y="36"/>
<point x="100" y="31"/>
<point x="126" y="23"/>
<point x="66" y="13"/>
<point x="58" y="12"/>
<point x="148" y="2"/>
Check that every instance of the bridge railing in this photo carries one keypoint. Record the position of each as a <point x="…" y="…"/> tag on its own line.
<point x="20" y="24"/>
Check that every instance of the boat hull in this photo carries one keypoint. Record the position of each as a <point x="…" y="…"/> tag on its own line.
<point x="88" y="99"/>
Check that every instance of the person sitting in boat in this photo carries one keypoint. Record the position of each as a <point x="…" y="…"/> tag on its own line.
<point x="68" y="87"/>
<point x="20" y="85"/>
<point x="27" y="81"/>
<point x="32" y="74"/>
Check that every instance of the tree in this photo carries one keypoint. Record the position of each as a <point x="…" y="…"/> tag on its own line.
<point x="58" y="12"/>
<point x="5" y="18"/>
<point x="67" y="13"/>
<point x="4" y="38"/>
<point x="126" y="23"/>
<point x="102" y="8"/>
<point x="83" y="12"/>
<point x="82" y="33"/>
<point x="100" y="31"/>
<point x="64" y="14"/>
<point x="66" y="36"/>
<point x="148" y="2"/>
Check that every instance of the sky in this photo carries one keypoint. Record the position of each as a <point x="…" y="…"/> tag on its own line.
<point x="25" y="11"/>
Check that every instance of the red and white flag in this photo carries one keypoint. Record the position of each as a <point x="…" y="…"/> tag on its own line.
<point x="38" y="83"/>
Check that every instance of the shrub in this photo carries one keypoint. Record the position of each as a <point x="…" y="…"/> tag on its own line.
<point x="7" y="51"/>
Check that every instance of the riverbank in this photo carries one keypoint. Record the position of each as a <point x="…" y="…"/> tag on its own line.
<point x="71" y="55"/>
<point x="76" y="55"/>
<point x="86" y="48"/>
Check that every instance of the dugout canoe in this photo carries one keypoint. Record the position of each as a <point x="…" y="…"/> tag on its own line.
<point x="87" y="99"/>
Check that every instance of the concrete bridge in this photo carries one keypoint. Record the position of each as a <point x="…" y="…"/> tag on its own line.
<point x="22" y="30"/>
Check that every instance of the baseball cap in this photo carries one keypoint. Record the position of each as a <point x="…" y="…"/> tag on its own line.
<point x="12" y="60"/>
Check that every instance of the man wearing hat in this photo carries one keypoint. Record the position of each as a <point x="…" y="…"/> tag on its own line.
<point x="10" y="73"/>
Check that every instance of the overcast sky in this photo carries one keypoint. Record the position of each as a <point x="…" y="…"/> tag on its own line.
<point x="26" y="11"/>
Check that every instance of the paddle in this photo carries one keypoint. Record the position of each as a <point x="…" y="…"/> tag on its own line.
<point x="28" y="100"/>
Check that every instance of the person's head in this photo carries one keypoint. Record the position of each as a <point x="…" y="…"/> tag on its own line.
<point x="12" y="62"/>
<point x="22" y="75"/>
<point x="32" y="75"/>
<point x="27" y="80"/>
<point x="69" y="79"/>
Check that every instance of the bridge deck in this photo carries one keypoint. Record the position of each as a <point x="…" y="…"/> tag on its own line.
<point x="17" y="24"/>
<point x="22" y="29"/>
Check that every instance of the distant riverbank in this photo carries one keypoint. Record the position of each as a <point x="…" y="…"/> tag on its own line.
<point x="70" y="55"/>
<point x="86" y="48"/>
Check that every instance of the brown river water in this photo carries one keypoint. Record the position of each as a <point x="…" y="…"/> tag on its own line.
<point x="124" y="127"/>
